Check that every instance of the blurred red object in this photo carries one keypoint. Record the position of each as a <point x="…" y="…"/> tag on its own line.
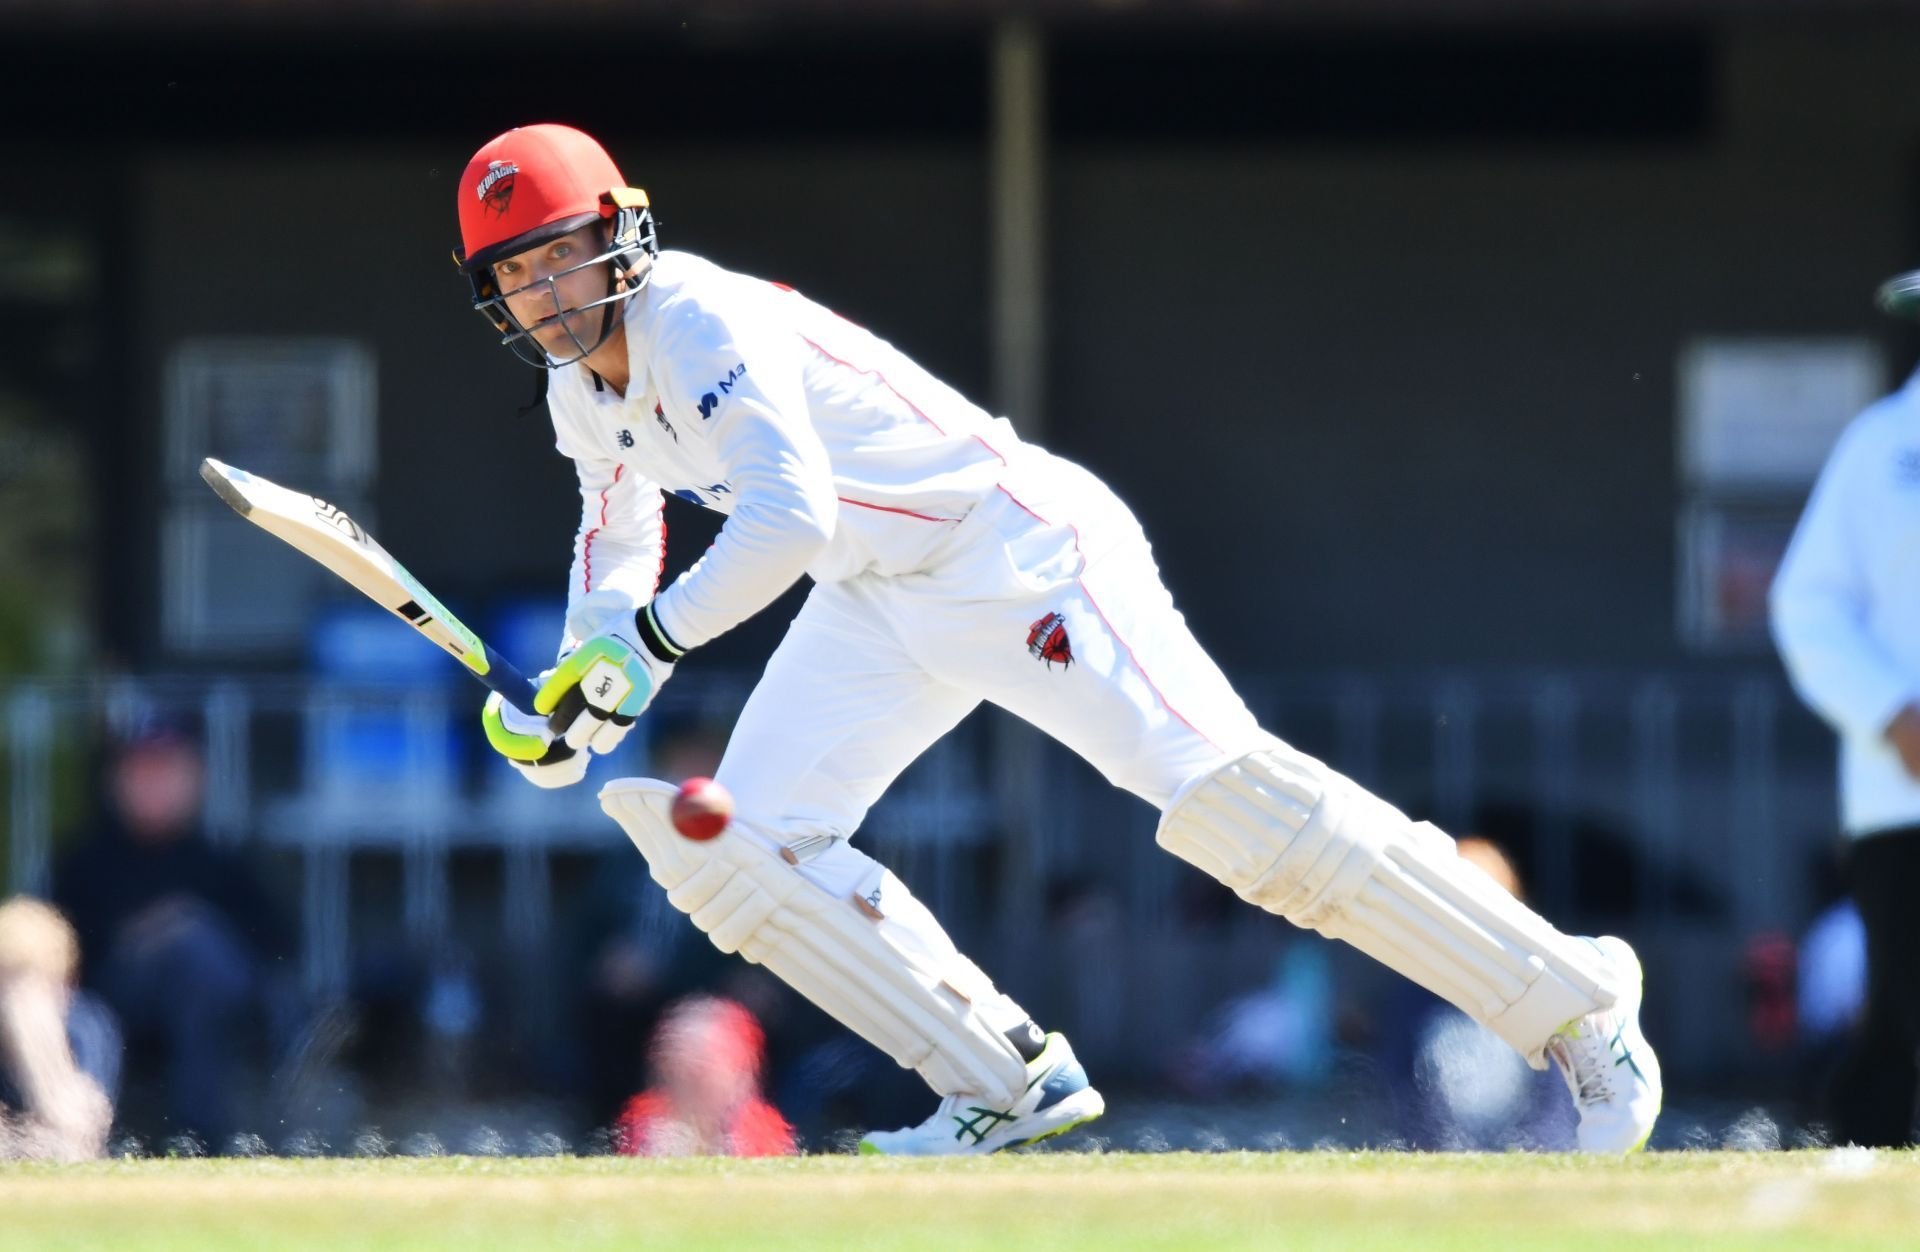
<point x="1768" y="967"/>
<point x="650" y="1126"/>
<point x="706" y="1098"/>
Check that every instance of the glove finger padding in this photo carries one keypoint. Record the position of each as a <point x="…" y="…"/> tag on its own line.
<point x="530" y="747"/>
<point x="512" y="733"/>
<point x="606" y="736"/>
<point x="560" y="767"/>
<point x="570" y="708"/>
<point x="593" y="696"/>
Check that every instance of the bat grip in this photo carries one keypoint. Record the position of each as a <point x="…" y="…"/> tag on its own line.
<point x="512" y="685"/>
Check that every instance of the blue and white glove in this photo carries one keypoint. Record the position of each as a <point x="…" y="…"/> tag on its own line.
<point x="593" y="695"/>
<point x="530" y="746"/>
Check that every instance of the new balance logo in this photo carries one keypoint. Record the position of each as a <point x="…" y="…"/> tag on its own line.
<point x="626" y="438"/>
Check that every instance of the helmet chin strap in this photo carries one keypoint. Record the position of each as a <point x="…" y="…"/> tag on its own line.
<point x="616" y="278"/>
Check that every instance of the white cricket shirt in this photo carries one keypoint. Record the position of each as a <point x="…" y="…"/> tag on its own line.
<point x="830" y="452"/>
<point x="1846" y="605"/>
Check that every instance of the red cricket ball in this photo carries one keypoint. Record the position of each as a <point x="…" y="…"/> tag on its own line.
<point x="702" y="809"/>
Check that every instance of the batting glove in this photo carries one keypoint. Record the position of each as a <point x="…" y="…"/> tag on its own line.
<point x="530" y="746"/>
<point x="596" y="691"/>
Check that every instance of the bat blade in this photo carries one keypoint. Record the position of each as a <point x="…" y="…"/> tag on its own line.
<point x="325" y="533"/>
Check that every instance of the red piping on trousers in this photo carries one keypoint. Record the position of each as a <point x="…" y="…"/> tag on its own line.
<point x="1104" y="619"/>
<point x="881" y="508"/>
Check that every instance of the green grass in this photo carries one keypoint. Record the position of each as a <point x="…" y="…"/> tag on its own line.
<point x="1695" y="1201"/>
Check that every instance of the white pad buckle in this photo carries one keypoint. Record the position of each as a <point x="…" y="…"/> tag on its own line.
<point x="1298" y="839"/>
<point x="910" y="996"/>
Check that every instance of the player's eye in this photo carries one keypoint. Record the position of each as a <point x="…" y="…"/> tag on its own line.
<point x="561" y="250"/>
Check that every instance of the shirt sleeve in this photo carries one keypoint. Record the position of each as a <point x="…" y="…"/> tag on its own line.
<point x="1820" y="600"/>
<point x="622" y="540"/>
<point x="740" y="389"/>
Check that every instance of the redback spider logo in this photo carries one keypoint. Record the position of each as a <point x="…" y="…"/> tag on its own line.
<point x="1047" y="640"/>
<point x="496" y="186"/>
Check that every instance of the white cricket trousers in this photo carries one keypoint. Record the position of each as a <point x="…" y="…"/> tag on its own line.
<point x="1047" y="602"/>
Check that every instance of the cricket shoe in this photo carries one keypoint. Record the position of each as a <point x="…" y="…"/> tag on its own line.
<point x="1610" y="1068"/>
<point x="1057" y="1098"/>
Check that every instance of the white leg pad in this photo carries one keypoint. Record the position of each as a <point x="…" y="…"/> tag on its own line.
<point x="871" y="957"/>
<point x="1298" y="839"/>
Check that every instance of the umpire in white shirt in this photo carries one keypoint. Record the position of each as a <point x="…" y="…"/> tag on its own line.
<point x="1846" y="615"/>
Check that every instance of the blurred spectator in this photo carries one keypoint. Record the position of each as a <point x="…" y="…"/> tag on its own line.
<point x="1281" y="1034"/>
<point x="705" y="1099"/>
<point x="635" y="951"/>
<point x="51" y="1105"/>
<point x="1832" y="985"/>
<point x="1767" y="969"/>
<point x="1086" y="923"/>
<point x="637" y="955"/>
<point x="1846" y="614"/>
<point x="1456" y="1085"/>
<point x="179" y="936"/>
<point x="1830" y="994"/>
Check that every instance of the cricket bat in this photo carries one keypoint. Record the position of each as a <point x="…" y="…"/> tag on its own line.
<point x="330" y="537"/>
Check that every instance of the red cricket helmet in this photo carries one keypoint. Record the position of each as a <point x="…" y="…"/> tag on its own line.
<point x="536" y="183"/>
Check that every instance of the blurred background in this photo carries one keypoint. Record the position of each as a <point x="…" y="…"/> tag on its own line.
<point x="1467" y="361"/>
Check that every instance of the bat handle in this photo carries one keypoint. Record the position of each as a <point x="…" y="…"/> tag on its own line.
<point x="512" y="685"/>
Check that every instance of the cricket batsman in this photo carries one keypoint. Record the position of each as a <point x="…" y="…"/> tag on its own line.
<point x="952" y="563"/>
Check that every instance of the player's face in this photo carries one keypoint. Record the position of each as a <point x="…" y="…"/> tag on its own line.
<point x="544" y="285"/>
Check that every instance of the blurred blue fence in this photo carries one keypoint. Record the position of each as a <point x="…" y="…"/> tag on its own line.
<point x="1689" y="813"/>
